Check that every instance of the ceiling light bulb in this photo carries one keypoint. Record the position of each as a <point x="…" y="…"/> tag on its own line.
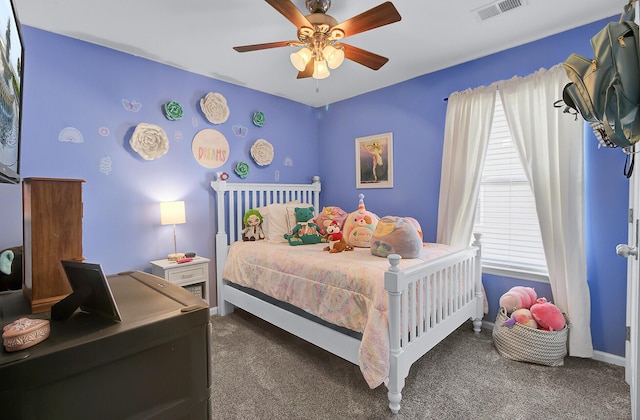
<point x="320" y="70"/>
<point x="301" y="58"/>
<point x="334" y="56"/>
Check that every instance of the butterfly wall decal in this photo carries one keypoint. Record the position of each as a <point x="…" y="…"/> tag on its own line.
<point x="132" y="106"/>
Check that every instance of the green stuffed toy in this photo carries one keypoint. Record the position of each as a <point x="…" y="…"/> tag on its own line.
<point x="11" y="269"/>
<point x="305" y="231"/>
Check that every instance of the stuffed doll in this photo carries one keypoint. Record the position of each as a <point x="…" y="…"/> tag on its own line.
<point x="335" y="239"/>
<point x="252" y="226"/>
<point x="305" y="231"/>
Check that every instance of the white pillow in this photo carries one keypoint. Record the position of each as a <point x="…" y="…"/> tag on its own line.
<point x="274" y="221"/>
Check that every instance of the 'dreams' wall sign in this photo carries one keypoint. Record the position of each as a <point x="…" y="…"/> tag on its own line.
<point x="210" y="148"/>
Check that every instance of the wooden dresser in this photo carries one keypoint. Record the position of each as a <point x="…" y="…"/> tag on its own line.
<point x="52" y="224"/>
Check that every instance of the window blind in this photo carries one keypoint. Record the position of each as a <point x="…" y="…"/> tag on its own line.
<point x="506" y="213"/>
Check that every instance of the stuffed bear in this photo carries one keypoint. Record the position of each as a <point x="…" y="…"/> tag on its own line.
<point x="11" y="269"/>
<point x="336" y="240"/>
<point x="305" y="231"/>
<point x="252" y="226"/>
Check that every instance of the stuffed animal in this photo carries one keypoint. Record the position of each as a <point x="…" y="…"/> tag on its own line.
<point x="11" y="269"/>
<point x="518" y="297"/>
<point x="521" y="316"/>
<point x="547" y="315"/>
<point x="252" y="226"/>
<point x="396" y="235"/>
<point x="328" y="215"/>
<point x="359" y="226"/>
<point x="305" y="231"/>
<point x="335" y="239"/>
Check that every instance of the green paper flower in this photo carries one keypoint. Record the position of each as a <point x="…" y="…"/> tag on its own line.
<point x="173" y="110"/>
<point x="258" y="118"/>
<point x="242" y="169"/>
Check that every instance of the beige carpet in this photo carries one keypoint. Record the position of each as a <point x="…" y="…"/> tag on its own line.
<point x="262" y="372"/>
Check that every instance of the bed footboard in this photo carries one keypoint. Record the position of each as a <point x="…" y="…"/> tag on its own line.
<point x="427" y="303"/>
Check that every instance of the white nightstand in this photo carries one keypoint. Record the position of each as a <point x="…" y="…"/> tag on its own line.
<point x="192" y="275"/>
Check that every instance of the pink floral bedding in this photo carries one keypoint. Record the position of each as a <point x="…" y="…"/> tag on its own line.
<point x="346" y="289"/>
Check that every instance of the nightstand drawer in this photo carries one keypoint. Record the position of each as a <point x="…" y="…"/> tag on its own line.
<point x="187" y="274"/>
<point x="192" y="275"/>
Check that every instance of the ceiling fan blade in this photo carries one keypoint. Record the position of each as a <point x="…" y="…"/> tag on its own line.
<point x="307" y="72"/>
<point x="255" y="47"/>
<point x="366" y="58"/>
<point x="381" y="15"/>
<point x="291" y="12"/>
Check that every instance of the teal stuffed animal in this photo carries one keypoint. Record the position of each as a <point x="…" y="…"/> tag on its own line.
<point x="305" y="231"/>
<point x="11" y="269"/>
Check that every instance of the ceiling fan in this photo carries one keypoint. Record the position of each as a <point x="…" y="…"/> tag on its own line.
<point x="320" y="37"/>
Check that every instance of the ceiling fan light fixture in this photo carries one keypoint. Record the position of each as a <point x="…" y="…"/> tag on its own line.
<point x="334" y="56"/>
<point x="300" y="58"/>
<point x="320" y="70"/>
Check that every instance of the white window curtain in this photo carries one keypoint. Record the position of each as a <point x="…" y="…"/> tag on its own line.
<point x="551" y="150"/>
<point x="550" y="145"/>
<point x="466" y="136"/>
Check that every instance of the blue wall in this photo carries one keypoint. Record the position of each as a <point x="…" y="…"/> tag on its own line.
<point x="415" y="111"/>
<point x="69" y="83"/>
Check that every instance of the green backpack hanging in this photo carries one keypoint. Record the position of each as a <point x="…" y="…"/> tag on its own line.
<point x="606" y="89"/>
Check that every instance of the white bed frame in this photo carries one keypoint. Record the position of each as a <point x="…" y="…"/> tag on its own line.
<point x="453" y="280"/>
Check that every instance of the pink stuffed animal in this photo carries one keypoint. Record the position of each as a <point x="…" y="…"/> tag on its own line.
<point x="547" y="315"/>
<point x="521" y="316"/>
<point x="518" y="297"/>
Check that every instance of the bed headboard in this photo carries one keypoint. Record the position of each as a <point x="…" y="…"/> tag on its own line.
<point x="234" y="199"/>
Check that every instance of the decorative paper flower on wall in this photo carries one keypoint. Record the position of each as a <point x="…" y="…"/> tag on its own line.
<point x="262" y="152"/>
<point x="259" y="118"/>
<point x="242" y="169"/>
<point x="173" y="111"/>
<point x="150" y="141"/>
<point x="214" y="106"/>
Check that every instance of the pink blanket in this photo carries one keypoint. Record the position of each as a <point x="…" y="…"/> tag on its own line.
<point x="346" y="289"/>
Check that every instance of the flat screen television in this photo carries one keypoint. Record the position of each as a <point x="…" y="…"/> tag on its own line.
<point x="11" y="67"/>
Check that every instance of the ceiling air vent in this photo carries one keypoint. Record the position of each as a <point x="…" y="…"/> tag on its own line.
<point x="497" y="8"/>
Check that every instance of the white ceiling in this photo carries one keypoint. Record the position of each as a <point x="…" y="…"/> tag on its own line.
<point x="198" y="36"/>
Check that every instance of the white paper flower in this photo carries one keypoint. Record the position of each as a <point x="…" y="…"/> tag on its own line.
<point x="262" y="152"/>
<point x="150" y="141"/>
<point x="214" y="106"/>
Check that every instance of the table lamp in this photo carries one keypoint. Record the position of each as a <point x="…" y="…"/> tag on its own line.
<point x="172" y="213"/>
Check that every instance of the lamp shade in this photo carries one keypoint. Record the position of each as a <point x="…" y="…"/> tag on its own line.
<point x="172" y="213"/>
<point x="334" y="56"/>
<point x="301" y="58"/>
<point x="320" y="70"/>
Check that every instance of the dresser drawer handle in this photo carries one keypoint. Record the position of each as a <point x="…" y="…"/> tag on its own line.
<point x="187" y="276"/>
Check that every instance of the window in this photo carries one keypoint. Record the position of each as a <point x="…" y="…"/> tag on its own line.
<point x="506" y="213"/>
